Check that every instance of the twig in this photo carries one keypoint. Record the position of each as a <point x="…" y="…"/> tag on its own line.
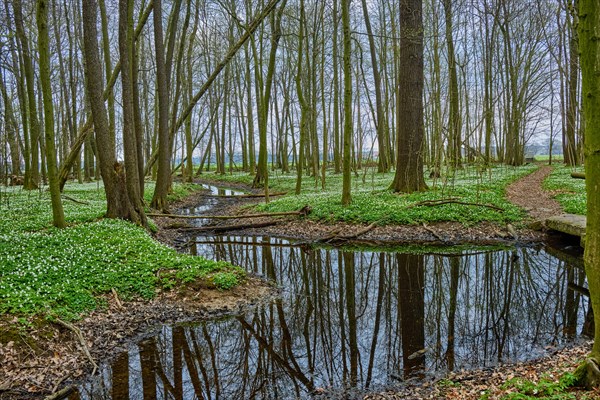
<point x="79" y="335"/>
<point x="64" y="196"/>
<point x="119" y="304"/>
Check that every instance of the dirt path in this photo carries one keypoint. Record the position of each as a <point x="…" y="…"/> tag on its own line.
<point x="529" y="194"/>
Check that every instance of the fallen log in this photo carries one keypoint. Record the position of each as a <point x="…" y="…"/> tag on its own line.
<point x="578" y="175"/>
<point x="226" y="228"/>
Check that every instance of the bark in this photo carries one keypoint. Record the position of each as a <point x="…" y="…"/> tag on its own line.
<point x="12" y="131"/>
<point x="58" y="215"/>
<point x="126" y="42"/>
<point x="409" y="113"/>
<point x="32" y="176"/>
<point x="85" y="129"/>
<point x="163" y="179"/>
<point x="589" y="42"/>
<point x="348" y="132"/>
<point x="383" y="163"/>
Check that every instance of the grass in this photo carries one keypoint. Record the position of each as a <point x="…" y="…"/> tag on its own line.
<point x="546" y="388"/>
<point x="546" y="157"/>
<point x="570" y="192"/>
<point x="47" y="271"/>
<point x="372" y="201"/>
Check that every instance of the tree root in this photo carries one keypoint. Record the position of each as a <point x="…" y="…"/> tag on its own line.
<point x="588" y="374"/>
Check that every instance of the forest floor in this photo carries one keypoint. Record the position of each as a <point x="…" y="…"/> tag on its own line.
<point x="41" y="361"/>
<point x="526" y="193"/>
<point x="546" y="377"/>
<point x="39" y="357"/>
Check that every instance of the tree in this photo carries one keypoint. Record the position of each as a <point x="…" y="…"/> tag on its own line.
<point x="126" y="43"/>
<point x="454" y="123"/>
<point x="409" y="112"/>
<point x="58" y="215"/>
<point x="589" y="49"/>
<point x="112" y="172"/>
<point x="347" y="68"/>
<point x="32" y="175"/>
<point x="163" y="180"/>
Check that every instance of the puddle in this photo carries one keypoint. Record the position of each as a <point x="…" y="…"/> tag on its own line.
<point x="363" y="319"/>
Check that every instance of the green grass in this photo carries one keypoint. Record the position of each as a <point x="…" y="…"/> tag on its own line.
<point x="546" y="388"/>
<point x="372" y="201"/>
<point x="571" y="192"/>
<point x="546" y="157"/>
<point x="47" y="271"/>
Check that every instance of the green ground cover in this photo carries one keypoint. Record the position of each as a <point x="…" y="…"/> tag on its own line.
<point x="570" y="192"/>
<point x="44" y="270"/>
<point x="372" y="201"/>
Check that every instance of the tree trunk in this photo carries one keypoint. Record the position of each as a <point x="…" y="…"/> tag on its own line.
<point x="409" y="142"/>
<point x="347" y="67"/>
<point x="58" y="215"/>
<point x="113" y="175"/>
<point x="32" y="177"/>
<point x="589" y="42"/>
<point x="163" y="179"/>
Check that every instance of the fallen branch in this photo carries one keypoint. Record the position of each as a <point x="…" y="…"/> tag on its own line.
<point x="434" y="203"/>
<point x="302" y="212"/>
<point x="578" y="175"/>
<point x="81" y="339"/>
<point x="250" y="195"/>
<point x="61" y="394"/>
<point x="225" y="228"/>
<point x="335" y="238"/>
<point x="233" y="242"/>
<point x="74" y="200"/>
<point x="359" y="233"/>
<point x="434" y="233"/>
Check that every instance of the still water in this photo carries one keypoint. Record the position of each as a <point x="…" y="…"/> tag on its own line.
<point x="357" y="319"/>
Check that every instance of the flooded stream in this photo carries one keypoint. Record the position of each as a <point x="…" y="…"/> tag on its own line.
<point x="356" y="319"/>
<point x="349" y="320"/>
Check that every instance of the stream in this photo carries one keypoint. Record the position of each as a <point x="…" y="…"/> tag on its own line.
<point x="356" y="319"/>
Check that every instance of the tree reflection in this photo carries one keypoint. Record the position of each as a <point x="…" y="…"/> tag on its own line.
<point x="356" y="319"/>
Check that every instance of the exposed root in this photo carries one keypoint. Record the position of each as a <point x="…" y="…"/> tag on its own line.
<point x="588" y="374"/>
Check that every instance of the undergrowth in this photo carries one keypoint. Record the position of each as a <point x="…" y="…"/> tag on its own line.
<point x="570" y="192"/>
<point x="372" y="201"/>
<point x="545" y="388"/>
<point x="44" y="270"/>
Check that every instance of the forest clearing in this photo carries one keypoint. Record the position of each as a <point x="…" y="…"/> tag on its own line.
<point x="294" y="199"/>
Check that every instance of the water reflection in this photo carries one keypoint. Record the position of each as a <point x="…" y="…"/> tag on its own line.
<point x="356" y="319"/>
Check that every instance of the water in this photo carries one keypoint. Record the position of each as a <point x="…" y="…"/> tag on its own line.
<point x="363" y="319"/>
